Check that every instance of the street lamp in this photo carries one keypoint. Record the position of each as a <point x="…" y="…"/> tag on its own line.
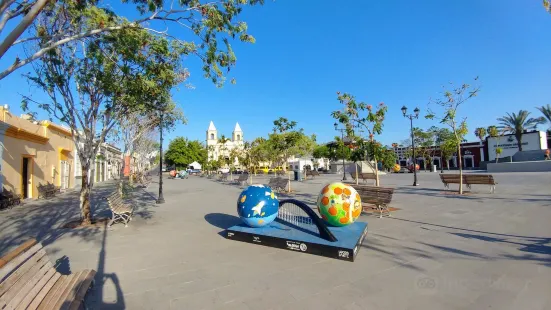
<point x="342" y="130"/>
<point x="411" y="117"/>
<point x="161" y="199"/>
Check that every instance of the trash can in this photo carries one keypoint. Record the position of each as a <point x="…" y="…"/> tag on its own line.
<point x="298" y="176"/>
<point x="433" y="168"/>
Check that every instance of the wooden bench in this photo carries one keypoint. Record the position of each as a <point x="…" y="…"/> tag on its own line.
<point x="483" y="179"/>
<point x="119" y="209"/>
<point x="223" y="177"/>
<point x="363" y="176"/>
<point x="450" y="178"/>
<point x="48" y="190"/>
<point x="28" y="280"/>
<point x="469" y="179"/>
<point x="378" y="196"/>
<point x="311" y="173"/>
<point x="242" y="179"/>
<point x="278" y="184"/>
<point x="9" y="199"/>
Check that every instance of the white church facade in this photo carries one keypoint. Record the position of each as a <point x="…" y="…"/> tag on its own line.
<point x="217" y="148"/>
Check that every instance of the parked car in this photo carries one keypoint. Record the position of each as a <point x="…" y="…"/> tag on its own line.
<point x="223" y="170"/>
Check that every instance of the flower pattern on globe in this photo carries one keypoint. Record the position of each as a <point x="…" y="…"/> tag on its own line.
<point x="339" y="204"/>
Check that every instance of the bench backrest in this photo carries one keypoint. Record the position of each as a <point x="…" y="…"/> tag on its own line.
<point x="25" y="274"/>
<point x="450" y="177"/>
<point x="114" y="199"/>
<point x="243" y="177"/>
<point x="366" y="175"/>
<point x="479" y="179"/>
<point x="374" y="193"/>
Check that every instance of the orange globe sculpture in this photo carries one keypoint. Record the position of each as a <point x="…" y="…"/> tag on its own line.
<point x="396" y="168"/>
<point x="339" y="204"/>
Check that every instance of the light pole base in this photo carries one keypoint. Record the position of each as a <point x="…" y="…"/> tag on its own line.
<point x="160" y="200"/>
<point x="415" y="184"/>
<point x="344" y="179"/>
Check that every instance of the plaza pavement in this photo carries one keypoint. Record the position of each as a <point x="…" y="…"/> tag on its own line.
<point x="440" y="251"/>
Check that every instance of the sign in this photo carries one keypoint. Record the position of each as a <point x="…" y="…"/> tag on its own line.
<point x="531" y="141"/>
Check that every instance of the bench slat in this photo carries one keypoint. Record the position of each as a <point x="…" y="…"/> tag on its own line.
<point x="82" y="289"/>
<point x="17" y="292"/>
<point x="20" y="249"/>
<point x="72" y="285"/>
<point x="37" y="288"/>
<point x="44" y="291"/>
<point x="20" y="271"/>
<point x="55" y="291"/>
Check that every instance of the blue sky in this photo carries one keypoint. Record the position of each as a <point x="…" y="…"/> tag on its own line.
<point x="398" y="52"/>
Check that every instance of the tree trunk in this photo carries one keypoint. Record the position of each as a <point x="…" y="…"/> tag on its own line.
<point x="519" y="140"/>
<point x="376" y="171"/>
<point x="85" y="197"/>
<point x="460" y="169"/>
<point x="356" y="172"/>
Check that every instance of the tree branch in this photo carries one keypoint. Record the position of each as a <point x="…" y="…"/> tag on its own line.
<point x="23" y="25"/>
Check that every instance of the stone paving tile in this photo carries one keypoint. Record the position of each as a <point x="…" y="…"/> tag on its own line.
<point x="439" y="251"/>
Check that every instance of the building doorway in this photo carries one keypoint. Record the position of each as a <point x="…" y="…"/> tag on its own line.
<point x="469" y="162"/>
<point x="64" y="176"/>
<point x="26" y="177"/>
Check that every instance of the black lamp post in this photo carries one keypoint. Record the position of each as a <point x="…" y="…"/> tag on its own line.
<point x="411" y="117"/>
<point x="161" y="199"/>
<point x="342" y="130"/>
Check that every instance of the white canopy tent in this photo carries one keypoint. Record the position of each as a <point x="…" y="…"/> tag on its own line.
<point x="195" y="165"/>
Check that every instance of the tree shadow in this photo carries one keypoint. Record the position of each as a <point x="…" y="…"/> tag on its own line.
<point x="44" y="221"/>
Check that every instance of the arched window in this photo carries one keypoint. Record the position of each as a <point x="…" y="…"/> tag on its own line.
<point x="238" y="137"/>
<point x="212" y="136"/>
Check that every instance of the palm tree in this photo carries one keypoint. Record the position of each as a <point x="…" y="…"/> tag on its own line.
<point x="480" y="132"/>
<point x="546" y="111"/>
<point x="518" y="123"/>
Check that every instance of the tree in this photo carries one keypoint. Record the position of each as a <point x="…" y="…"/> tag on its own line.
<point x="321" y="151"/>
<point x="495" y="133"/>
<point x="516" y="124"/>
<point x="424" y="141"/>
<point x="450" y="103"/>
<point x="132" y="127"/>
<point x="444" y="141"/>
<point x="547" y="5"/>
<point x="285" y="142"/>
<point x="77" y="22"/>
<point x="480" y="133"/>
<point x="90" y="85"/>
<point x="182" y="152"/>
<point x="361" y="115"/>
<point x="546" y="111"/>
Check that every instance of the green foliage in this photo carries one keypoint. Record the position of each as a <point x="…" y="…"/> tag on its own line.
<point x="283" y="125"/>
<point x="388" y="159"/>
<point x="481" y="133"/>
<point x="360" y="115"/>
<point x="321" y="151"/>
<point x="546" y="111"/>
<point x="449" y="104"/>
<point x="493" y="131"/>
<point x="285" y="142"/>
<point x="547" y="5"/>
<point x="182" y="23"/>
<point x="182" y="152"/>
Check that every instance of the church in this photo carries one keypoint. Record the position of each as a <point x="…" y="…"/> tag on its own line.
<point x="218" y="148"/>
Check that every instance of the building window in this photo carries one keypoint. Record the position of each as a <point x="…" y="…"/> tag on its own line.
<point x="238" y="137"/>
<point x="212" y="136"/>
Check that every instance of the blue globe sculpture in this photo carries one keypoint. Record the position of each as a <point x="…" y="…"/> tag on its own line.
<point x="257" y="205"/>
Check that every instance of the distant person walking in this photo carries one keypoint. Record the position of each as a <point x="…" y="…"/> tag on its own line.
<point x="547" y="154"/>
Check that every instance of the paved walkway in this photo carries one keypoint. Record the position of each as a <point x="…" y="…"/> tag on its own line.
<point x="440" y="251"/>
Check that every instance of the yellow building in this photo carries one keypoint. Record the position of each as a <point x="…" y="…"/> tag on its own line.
<point x="33" y="153"/>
